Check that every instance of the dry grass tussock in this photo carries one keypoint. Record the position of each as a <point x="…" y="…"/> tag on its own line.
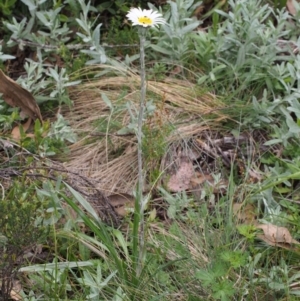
<point x="110" y="158"/>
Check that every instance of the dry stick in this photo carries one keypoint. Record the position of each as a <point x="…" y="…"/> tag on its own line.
<point x="291" y="44"/>
<point x="70" y="46"/>
<point x="9" y="172"/>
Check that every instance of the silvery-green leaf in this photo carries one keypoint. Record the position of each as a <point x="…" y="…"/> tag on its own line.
<point x="4" y="57"/>
<point x="107" y="101"/>
<point x="161" y="50"/>
<point x="30" y="4"/>
<point x="125" y="131"/>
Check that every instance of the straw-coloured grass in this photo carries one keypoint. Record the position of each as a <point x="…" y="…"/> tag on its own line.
<point x="111" y="158"/>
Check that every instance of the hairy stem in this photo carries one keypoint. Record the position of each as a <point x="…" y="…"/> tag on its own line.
<point x="140" y="203"/>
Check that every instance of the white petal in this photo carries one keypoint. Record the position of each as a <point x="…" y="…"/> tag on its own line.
<point x="135" y="14"/>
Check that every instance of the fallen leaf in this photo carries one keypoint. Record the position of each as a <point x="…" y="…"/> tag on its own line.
<point x="6" y="144"/>
<point x="291" y="7"/>
<point x="180" y="181"/>
<point x="14" y="293"/>
<point x="16" y="96"/>
<point x="199" y="179"/>
<point x="276" y="236"/>
<point x="254" y="175"/>
<point x="197" y="183"/>
<point x="244" y="214"/>
<point x="122" y="203"/>
<point x="176" y="70"/>
<point x="16" y="134"/>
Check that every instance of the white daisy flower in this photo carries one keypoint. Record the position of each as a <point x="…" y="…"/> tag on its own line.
<point x="145" y="17"/>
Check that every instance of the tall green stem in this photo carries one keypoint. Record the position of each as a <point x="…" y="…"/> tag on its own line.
<point x="140" y="202"/>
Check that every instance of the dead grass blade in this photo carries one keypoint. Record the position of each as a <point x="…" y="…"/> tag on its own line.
<point x="110" y="158"/>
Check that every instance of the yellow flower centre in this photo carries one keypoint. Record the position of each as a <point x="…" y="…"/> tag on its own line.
<point x="145" y="20"/>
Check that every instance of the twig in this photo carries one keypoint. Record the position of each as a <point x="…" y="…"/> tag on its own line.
<point x="20" y="172"/>
<point x="71" y="47"/>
